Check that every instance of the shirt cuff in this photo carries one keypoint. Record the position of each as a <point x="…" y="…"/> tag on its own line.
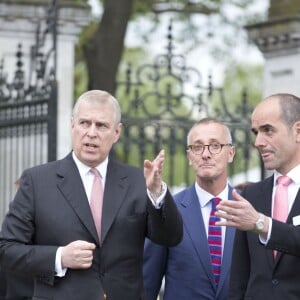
<point x="60" y="272"/>
<point x="265" y="241"/>
<point x="160" y="200"/>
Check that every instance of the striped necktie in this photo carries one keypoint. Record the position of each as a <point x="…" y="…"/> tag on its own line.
<point x="215" y="241"/>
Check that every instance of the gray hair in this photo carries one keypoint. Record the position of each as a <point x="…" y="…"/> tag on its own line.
<point x="99" y="97"/>
<point x="209" y="121"/>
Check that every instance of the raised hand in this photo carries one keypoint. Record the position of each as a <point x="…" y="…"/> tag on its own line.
<point x="153" y="173"/>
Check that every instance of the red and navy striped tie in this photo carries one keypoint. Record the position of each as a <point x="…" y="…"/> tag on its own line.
<point x="215" y="241"/>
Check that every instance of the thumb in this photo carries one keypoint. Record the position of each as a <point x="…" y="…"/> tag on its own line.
<point x="88" y="246"/>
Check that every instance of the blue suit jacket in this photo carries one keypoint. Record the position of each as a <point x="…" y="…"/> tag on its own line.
<point x="187" y="267"/>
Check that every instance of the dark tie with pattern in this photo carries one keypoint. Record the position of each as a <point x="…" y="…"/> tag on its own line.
<point x="215" y="241"/>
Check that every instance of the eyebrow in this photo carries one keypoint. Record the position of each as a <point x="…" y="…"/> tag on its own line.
<point x="265" y="126"/>
<point x="262" y="128"/>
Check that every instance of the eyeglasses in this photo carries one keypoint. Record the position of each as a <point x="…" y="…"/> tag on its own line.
<point x="213" y="148"/>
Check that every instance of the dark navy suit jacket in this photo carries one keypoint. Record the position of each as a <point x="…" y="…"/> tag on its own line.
<point x="187" y="266"/>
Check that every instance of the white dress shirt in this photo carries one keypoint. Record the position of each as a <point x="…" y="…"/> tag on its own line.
<point x="205" y="204"/>
<point x="293" y="188"/>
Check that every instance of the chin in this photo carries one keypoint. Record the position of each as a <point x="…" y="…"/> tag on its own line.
<point x="89" y="161"/>
<point x="269" y="167"/>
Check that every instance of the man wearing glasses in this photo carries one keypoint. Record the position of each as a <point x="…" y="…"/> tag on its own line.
<point x="198" y="267"/>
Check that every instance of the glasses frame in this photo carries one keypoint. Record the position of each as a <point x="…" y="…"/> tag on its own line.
<point x="191" y="147"/>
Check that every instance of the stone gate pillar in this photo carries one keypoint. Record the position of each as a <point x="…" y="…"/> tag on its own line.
<point x="18" y="24"/>
<point x="279" y="40"/>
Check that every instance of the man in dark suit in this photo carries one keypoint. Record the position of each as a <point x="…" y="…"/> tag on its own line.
<point x="187" y="268"/>
<point x="17" y="286"/>
<point x="49" y="231"/>
<point x="266" y="256"/>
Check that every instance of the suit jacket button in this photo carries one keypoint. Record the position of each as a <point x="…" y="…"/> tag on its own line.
<point x="275" y="281"/>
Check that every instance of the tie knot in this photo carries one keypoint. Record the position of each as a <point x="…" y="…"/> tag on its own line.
<point x="95" y="172"/>
<point x="284" y="180"/>
<point x="214" y="202"/>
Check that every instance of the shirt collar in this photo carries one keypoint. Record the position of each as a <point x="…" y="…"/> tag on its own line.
<point x="294" y="174"/>
<point x="205" y="197"/>
<point x="84" y="169"/>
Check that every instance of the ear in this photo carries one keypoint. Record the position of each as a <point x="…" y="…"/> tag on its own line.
<point x="188" y="157"/>
<point x="118" y="130"/>
<point x="231" y="154"/>
<point x="296" y="128"/>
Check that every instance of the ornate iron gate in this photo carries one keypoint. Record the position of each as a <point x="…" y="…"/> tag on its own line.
<point x="28" y="109"/>
<point x="160" y="103"/>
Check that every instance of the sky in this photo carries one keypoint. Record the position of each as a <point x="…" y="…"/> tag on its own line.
<point x="95" y="6"/>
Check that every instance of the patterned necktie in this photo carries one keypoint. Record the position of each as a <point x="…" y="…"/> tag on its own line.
<point x="96" y="200"/>
<point x="215" y="241"/>
<point x="280" y="209"/>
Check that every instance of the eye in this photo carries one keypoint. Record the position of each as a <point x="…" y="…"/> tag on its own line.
<point x="197" y="148"/>
<point x="214" y="146"/>
<point x="268" y="130"/>
<point x="254" y="131"/>
<point x="102" y="126"/>
<point x="83" y="123"/>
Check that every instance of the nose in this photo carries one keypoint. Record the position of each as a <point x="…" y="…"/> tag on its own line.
<point x="206" y="152"/>
<point x="92" y="130"/>
<point x="259" y="141"/>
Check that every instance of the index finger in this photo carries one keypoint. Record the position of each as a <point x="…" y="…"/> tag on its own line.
<point x="161" y="154"/>
<point x="237" y="196"/>
<point x="87" y="246"/>
<point x="158" y="161"/>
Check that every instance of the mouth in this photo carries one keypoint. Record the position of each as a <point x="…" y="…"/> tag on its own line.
<point x="91" y="146"/>
<point x="265" y="154"/>
<point x="206" y="165"/>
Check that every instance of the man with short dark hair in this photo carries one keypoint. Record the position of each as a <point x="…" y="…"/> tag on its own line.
<point x="266" y="256"/>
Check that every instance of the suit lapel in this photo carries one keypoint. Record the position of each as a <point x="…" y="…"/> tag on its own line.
<point x="71" y="186"/>
<point x="114" y="193"/>
<point x="193" y="222"/>
<point x="295" y="211"/>
<point x="264" y="205"/>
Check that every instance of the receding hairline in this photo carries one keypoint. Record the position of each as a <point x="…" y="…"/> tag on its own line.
<point x="98" y="97"/>
<point x="288" y="107"/>
<point x="206" y="121"/>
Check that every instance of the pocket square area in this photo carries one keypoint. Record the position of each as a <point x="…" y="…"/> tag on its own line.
<point x="296" y="220"/>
